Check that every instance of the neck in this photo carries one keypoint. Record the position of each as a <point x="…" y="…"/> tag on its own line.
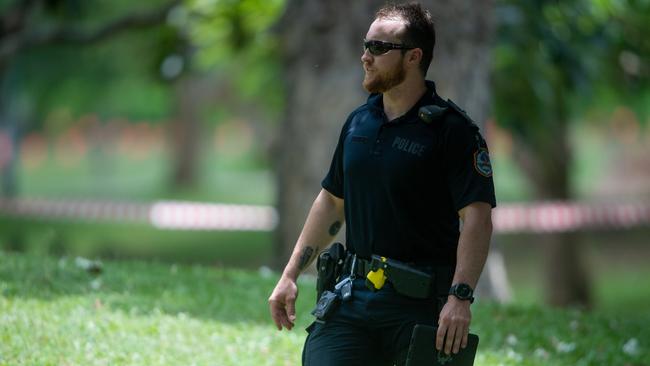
<point x="401" y="98"/>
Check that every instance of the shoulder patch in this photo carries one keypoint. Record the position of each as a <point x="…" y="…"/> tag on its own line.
<point x="482" y="162"/>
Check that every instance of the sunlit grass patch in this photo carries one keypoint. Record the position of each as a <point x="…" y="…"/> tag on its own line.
<point x="53" y="311"/>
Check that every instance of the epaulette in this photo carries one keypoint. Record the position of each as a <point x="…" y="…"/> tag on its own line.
<point x="459" y="110"/>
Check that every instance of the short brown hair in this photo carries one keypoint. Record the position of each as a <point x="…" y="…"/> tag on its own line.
<point x="420" y="31"/>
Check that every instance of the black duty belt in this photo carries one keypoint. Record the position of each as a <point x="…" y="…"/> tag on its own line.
<point x="408" y="279"/>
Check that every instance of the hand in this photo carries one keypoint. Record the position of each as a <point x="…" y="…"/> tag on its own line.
<point x="454" y="323"/>
<point x="282" y="303"/>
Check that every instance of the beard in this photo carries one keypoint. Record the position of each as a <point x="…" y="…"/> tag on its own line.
<point x="382" y="82"/>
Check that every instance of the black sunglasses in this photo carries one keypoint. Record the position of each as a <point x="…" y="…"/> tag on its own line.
<point x="377" y="48"/>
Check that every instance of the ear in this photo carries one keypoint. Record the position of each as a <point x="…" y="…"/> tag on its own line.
<point x="415" y="56"/>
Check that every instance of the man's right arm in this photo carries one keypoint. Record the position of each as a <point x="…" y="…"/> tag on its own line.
<point x="324" y="221"/>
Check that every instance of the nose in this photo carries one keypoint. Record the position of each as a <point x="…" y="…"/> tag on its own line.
<point x="366" y="56"/>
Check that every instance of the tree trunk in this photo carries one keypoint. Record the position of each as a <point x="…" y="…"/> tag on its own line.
<point x="566" y="279"/>
<point x="186" y="132"/>
<point x="321" y="43"/>
<point x="14" y="117"/>
<point x="8" y="156"/>
<point x="547" y="165"/>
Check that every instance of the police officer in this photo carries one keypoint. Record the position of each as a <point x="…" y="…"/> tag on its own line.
<point x="409" y="170"/>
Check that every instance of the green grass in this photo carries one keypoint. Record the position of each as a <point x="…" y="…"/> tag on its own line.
<point x="139" y="241"/>
<point x="52" y="312"/>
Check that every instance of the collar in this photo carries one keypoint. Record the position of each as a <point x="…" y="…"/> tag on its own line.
<point x="376" y="101"/>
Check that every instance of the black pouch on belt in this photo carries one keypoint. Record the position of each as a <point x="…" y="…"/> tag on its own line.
<point x="329" y="266"/>
<point x="407" y="280"/>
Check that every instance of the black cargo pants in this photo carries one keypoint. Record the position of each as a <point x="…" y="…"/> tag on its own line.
<point x="372" y="328"/>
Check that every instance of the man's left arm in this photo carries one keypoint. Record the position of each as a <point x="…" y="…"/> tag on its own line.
<point x="473" y="247"/>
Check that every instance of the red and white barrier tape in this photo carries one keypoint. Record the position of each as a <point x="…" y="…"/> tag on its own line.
<point x="569" y="216"/>
<point x="162" y="214"/>
<point x="83" y="210"/>
<point x="507" y="218"/>
<point x="203" y="216"/>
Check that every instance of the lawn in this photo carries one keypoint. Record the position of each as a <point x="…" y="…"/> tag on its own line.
<point x="248" y="249"/>
<point x="55" y="312"/>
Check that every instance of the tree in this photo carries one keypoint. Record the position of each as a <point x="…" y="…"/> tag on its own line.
<point x="553" y="58"/>
<point x="234" y="63"/>
<point x="321" y="50"/>
<point x="321" y="45"/>
<point x="30" y="24"/>
<point x="201" y="58"/>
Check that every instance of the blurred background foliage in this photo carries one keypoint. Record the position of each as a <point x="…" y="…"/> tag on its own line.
<point x="557" y="63"/>
<point x="128" y="74"/>
<point x="182" y="100"/>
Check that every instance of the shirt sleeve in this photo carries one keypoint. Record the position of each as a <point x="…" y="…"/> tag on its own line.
<point x="466" y="161"/>
<point x="333" y="181"/>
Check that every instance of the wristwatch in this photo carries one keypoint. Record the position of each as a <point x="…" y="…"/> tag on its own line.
<point x="462" y="291"/>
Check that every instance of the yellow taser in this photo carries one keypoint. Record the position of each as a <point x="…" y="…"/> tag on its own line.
<point x="376" y="279"/>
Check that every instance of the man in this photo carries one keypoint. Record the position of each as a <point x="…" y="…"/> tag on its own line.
<point x="403" y="183"/>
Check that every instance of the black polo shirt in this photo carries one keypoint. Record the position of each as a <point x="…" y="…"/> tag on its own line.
<point x="404" y="181"/>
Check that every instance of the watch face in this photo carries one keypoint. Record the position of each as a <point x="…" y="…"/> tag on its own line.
<point x="463" y="291"/>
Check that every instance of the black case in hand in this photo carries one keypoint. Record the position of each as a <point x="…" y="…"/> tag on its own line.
<point x="422" y="350"/>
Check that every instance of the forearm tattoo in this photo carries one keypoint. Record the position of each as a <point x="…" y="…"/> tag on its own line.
<point x="334" y="229"/>
<point x="305" y="258"/>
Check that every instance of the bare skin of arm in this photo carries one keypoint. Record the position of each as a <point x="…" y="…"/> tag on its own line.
<point x="473" y="247"/>
<point x="324" y="221"/>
